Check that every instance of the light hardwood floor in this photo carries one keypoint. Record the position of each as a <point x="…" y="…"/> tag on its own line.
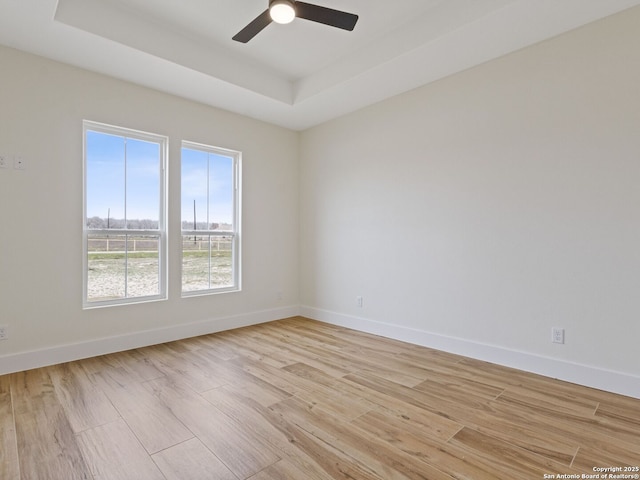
<point x="299" y="399"/>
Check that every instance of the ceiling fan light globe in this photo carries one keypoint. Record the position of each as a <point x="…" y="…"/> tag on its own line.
<point x="282" y="11"/>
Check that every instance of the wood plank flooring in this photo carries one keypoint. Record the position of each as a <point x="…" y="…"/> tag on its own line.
<point x="299" y="399"/>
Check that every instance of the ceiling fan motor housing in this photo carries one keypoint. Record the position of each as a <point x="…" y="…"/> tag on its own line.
<point x="282" y="11"/>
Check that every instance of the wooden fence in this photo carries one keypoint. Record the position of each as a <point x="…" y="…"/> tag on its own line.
<point x="117" y="243"/>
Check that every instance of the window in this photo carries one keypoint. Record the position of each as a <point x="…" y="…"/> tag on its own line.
<point x="210" y="219"/>
<point x="124" y="215"/>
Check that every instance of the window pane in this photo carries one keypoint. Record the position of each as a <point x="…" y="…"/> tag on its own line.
<point x="143" y="266"/>
<point x="194" y="189"/>
<point x="220" y="192"/>
<point x="207" y="262"/>
<point x="122" y="266"/>
<point x="195" y="263"/>
<point x="105" y="170"/>
<point x="106" y="276"/>
<point x="221" y="262"/>
<point x="143" y="184"/>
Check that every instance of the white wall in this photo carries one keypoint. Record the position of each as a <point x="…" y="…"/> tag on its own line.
<point x="42" y="105"/>
<point x="475" y="213"/>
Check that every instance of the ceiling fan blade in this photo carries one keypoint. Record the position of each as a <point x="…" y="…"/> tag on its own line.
<point x="254" y="28"/>
<point x="327" y="16"/>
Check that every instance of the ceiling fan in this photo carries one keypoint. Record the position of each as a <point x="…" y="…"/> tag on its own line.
<point x="284" y="11"/>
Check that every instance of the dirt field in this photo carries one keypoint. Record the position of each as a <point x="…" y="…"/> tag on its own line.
<point x="106" y="279"/>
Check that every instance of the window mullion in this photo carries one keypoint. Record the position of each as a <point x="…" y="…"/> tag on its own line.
<point x="126" y="266"/>
<point x="208" y="192"/>
<point x="126" y="224"/>
<point x="209" y="262"/>
<point x="212" y="233"/>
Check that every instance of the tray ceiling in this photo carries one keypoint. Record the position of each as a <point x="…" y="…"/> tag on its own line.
<point x="295" y="75"/>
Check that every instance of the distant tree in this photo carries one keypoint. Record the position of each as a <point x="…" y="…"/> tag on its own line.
<point x="116" y="223"/>
<point x="96" y="222"/>
<point x="142" y="224"/>
<point x="147" y="224"/>
<point x="134" y="224"/>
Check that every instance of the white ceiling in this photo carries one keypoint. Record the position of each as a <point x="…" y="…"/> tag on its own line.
<point x="295" y="75"/>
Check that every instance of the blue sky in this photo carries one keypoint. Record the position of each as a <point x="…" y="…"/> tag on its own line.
<point x="106" y="177"/>
<point x="207" y="179"/>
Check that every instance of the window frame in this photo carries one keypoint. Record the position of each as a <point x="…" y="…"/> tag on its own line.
<point x="160" y="232"/>
<point x="235" y="233"/>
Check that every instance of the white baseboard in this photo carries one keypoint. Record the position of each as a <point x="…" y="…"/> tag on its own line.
<point x="66" y="353"/>
<point x="611" y="381"/>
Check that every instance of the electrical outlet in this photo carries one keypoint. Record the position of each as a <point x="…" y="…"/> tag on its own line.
<point x="4" y="161"/>
<point x="359" y="301"/>
<point x="3" y="332"/>
<point x="19" y="163"/>
<point x="557" y="335"/>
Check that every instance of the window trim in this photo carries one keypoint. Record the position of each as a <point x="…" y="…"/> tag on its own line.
<point x="160" y="232"/>
<point x="236" y="268"/>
